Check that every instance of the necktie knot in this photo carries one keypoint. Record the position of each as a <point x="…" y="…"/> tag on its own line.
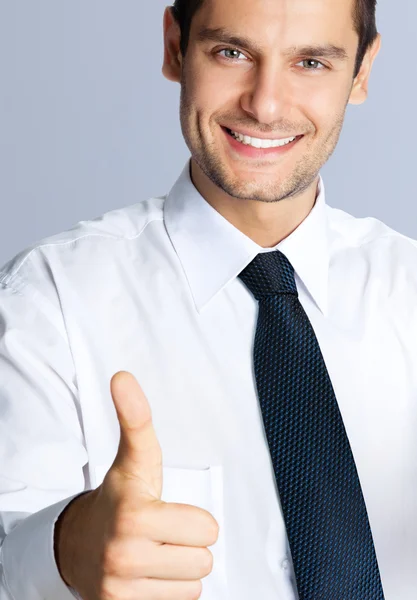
<point x="269" y="273"/>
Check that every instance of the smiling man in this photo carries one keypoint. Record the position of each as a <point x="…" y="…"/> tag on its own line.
<point x="264" y="89"/>
<point x="212" y="394"/>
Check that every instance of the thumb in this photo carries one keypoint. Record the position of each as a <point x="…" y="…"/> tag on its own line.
<point x="139" y="457"/>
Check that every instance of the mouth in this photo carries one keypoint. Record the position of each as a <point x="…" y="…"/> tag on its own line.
<point x="258" y="148"/>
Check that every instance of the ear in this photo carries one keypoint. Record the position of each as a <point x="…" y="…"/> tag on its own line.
<point x="171" y="67"/>
<point x="359" y="91"/>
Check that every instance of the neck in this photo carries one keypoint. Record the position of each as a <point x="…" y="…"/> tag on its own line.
<point x="266" y="223"/>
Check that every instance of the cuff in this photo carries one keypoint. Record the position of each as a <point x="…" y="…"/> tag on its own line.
<point x="30" y="569"/>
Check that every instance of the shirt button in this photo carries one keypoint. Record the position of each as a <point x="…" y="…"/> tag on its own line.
<point x="285" y="565"/>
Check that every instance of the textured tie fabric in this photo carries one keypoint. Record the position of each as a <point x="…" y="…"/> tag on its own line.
<point x="324" y="510"/>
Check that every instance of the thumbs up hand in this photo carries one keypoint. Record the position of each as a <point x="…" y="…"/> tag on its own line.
<point x="121" y="541"/>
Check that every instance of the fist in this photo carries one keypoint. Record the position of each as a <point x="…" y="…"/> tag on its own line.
<point x="121" y="541"/>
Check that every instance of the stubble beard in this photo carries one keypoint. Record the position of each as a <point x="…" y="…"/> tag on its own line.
<point x="302" y="176"/>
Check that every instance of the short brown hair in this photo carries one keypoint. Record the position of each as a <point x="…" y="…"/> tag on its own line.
<point x="364" y="18"/>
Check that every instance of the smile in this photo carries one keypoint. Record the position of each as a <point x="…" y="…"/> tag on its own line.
<point x="257" y="148"/>
<point x="260" y="143"/>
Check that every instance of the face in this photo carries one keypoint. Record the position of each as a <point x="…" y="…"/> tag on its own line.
<point x="280" y="73"/>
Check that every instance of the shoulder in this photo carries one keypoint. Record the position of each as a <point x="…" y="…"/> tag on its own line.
<point x="81" y="243"/>
<point x="384" y="250"/>
<point x="362" y="230"/>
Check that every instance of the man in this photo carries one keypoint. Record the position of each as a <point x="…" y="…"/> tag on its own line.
<point x="258" y="436"/>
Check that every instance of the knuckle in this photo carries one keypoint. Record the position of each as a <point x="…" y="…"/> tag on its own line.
<point x="125" y="523"/>
<point x="137" y="566"/>
<point x="132" y="522"/>
<point x="109" y="590"/>
<point x="198" y="591"/>
<point x="125" y="561"/>
<point x="208" y="527"/>
<point x="143" y="521"/>
<point x="212" y="531"/>
<point x="195" y="590"/>
<point x="112" y="559"/>
<point x="205" y="562"/>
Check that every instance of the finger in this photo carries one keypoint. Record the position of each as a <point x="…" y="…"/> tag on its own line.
<point x="171" y="523"/>
<point x="139" y="455"/>
<point x="135" y="559"/>
<point x="152" y="589"/>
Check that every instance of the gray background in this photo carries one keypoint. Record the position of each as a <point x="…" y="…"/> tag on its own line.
<point x="88" y="123"/>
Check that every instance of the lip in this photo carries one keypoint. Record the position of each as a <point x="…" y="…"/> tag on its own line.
<point x="251" y="152"/>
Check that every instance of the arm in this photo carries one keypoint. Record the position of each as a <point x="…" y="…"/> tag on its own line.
<point x="42" y="452"/>
<point x="120" y="538"/>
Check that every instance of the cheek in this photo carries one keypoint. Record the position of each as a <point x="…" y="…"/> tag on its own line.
<point x="211" y="90"/>
<point x="322" y="102"/>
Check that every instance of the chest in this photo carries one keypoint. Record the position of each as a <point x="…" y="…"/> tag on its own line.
<point x="197" y="372"/>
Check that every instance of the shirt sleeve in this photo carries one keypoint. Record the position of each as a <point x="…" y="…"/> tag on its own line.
<point x="29" y="568"/>
<point x="42" y="449"/>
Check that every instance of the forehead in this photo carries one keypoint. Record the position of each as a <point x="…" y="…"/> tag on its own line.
<point x="289" y="21"/>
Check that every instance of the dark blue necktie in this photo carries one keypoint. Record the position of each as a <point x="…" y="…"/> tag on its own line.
<point x="324" y="510"/>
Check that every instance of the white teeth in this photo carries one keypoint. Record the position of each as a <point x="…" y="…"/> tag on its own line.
<point x="258" y="143"/>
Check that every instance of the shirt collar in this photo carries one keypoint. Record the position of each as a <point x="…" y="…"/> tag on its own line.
<point x="213" y="252"/>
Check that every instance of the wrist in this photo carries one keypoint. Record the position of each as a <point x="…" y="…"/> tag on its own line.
<point x="67" y="536"/>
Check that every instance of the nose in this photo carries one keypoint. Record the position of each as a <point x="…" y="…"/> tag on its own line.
<point x="267" y="97"/>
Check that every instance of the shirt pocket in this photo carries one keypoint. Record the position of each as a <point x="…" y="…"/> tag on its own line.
<point x="203" y="488"/>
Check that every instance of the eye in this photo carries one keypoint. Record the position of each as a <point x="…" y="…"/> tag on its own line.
<point x="231" y="53"/>
<point x="310" y="64"/>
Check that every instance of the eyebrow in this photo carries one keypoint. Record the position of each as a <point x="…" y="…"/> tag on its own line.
<point x="223" y="35"/>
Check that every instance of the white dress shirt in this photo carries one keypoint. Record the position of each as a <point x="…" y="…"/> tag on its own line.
<point x="153" y="289"/>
